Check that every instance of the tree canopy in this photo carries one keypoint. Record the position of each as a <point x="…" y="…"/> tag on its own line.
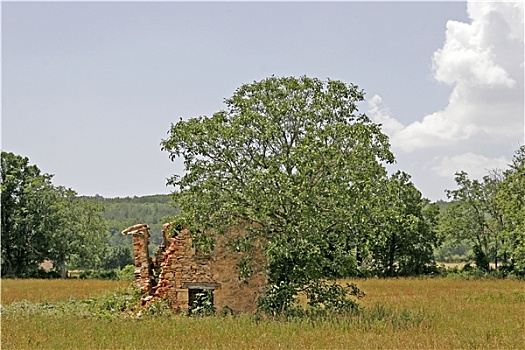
<point x="41" y="221"/>
<point x="489" y="214"/>
<point x="295" y="160"/>
<point x="26" y="204"/>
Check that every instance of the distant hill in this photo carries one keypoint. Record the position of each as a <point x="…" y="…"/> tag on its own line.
<point x="122" y="213"/>
<point x="442" y="204"/>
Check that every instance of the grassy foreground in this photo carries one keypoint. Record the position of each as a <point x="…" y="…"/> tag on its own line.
<point x="397" y="314"/>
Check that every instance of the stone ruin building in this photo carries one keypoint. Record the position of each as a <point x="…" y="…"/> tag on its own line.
<point x="179" y="273"/>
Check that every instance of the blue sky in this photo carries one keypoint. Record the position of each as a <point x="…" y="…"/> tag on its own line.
<point x="90" y="89"/>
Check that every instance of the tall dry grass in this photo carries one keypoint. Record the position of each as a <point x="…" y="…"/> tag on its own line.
<point x="49" y="290"/>
<point x="398" y="314"/>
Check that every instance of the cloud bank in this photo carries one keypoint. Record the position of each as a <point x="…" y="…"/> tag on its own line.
<point x="483" y="122"/>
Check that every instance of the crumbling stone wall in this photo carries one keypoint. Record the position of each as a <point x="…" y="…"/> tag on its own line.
<point x="143" y="263"/>
<point x="178" y="268"/>
<point x="182" y="269"/>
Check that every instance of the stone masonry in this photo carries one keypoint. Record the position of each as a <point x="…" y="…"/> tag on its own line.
<point x="178" y="270"/>
<point x="182" y="269"/>
<point x="143" y="263"/>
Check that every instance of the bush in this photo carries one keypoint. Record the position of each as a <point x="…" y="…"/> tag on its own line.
<point x="99" y="275"/>
<point x="127" y="273"/>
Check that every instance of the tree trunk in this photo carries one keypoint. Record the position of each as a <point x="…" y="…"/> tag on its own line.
<point x="391" y="255"/>
<point x="60" y="267"/>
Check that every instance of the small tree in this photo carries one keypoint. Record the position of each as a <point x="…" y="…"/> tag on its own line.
<point x="466" y="218"/>
<point x="78" y="233"/>
<point x="293" y="160"/>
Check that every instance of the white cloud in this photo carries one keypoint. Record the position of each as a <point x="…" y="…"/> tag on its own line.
<point x="476" y="54"/>
<point x="483" y="122"/>
<point x="475" y="165"/>
<point x="467" y="59"/>
<point x="484" y="61"/>
<point x="381" y="115"/>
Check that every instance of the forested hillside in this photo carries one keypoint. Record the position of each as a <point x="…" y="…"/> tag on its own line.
<point x="121" y="213"/>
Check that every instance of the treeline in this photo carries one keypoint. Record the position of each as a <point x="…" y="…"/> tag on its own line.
<point x="483" y="223"/>
<point x="488" y="215"/>
<point x="41" y="221"/>
<point x="121" y="213"/>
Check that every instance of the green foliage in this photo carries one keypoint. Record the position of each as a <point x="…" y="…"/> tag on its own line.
<point x="117" y="257"/>
<point x="332" y="297"/>
<point x="78" y="231"/>
<point x="99" y="274"/>
<point x="453" y="251"/>
<point x="404" y="235"/>
<point x="467" y="217"/>
<point x="203" y="304"/>
<point x="127" y="273"/>
<point x="122" y="213"/>
<point x="293" y="160"/>
<point x="27" y="196"/>
<point x="123" y="302"/>
<point x="41" y="221"/>
<point x="510" y="199"/>
<point x="38" y="273"/>
<point x="490" y="215"/>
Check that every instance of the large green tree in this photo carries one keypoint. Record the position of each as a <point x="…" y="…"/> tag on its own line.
<point x="510" y="200"/>
<point x="27" y="196"/>
<point x="293" y="159"/>
<point x="41" y="221"/>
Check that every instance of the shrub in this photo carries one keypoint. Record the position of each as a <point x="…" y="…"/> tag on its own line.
<point x="127" y="273"/>
<point x="99" y="275"/>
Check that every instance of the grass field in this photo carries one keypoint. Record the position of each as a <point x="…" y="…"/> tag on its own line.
<point x="35" y="290"/>
<point x="397" y="314"/>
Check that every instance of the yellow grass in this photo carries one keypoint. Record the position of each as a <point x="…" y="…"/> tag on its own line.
<point x="439" y="314"/>
<point x="39" y="290"/>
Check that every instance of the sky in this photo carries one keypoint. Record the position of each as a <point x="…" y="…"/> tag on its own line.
<point x="90" y="89"/>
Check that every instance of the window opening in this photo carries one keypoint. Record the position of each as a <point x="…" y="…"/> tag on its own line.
<point x="200" y="301"/>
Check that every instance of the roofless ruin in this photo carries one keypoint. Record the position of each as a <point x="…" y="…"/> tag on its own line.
<point x="180" y="274"/>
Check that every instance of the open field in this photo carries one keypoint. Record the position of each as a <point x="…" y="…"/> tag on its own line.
<point x="398" y="313"/>
<point x="41" y="290"/>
